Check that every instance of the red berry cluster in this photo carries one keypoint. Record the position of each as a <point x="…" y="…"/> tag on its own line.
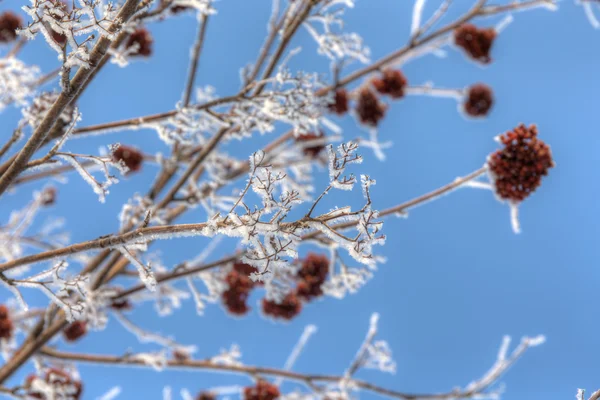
<point x="130" y="156"/>
<point x="75" y="330"/>
<point x="310" y="278"/>
<point x="239" y="287"/>
<point x="263" y="390"/>
<point x="143" y="39"/>
<point x="479" y="100"/>
<point x="518" y="168"/>
<point x="340" y="102"/>
<point x="475" y="41"/>
<point x="6" y="324"/>
<point x="369" y="109"/>
<point x="287" y="309"/>
<point x="68" y="388"/>
<point x="9" y="23"/>
<point x="311" y="149"/>
<point x="392" y="82"/>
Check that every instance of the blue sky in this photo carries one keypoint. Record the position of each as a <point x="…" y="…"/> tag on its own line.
<point x="457" y="278"/>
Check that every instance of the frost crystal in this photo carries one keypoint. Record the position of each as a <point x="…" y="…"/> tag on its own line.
<point x="17" y="81"/>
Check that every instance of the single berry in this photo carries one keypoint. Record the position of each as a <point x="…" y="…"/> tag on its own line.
<point x="75" y="331"/>
<point x="476" y="42"/>
<point x="130" y="156"/>
<point x="369" y="109"/>
<point x="142" y="39"/>
<point x="340" y="102"/>
<point x="392" y="82"/>
<point x="479" y="100"/>
<point x="9" y="23"/>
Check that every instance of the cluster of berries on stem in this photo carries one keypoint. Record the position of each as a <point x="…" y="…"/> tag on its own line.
<point x="517" y="169"/>
<point x="263" y="390"/>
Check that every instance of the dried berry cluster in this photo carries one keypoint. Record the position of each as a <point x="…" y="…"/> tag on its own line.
<point x="369" y="109"/>
<point x="312" y="143"/>
<point x="340" y="102"/>
<point x="287" y="309"/>
<point x="130" y="156"/>
<point x="392" y="83"/>
<point x="310" y="278"/>
<point x="75" y="330"/>
<point x="9" y="23"/>
<point x="479" y="101"/>
<point x="262" y="391"/>
<point x="475" y="41"/>
<point x="239" y="286"/>
<point x="143" y="39"/>
<point x="6" y="325"/>
<point x="65" y="386"/>
<point x="518" y="168"/>
<point x="312" y="275"/>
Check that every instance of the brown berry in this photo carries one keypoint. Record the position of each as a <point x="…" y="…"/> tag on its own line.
<point x="340" y="102"/>
<point x="289" y="307"/>
<point x="235" y="297"/>
<point x="75" y="330"/>
<point x="312" y="275"/>
<point x="130" y="156"/>
<point x="262" y="391"/>
<point x="143" y="39"/>
<point x="479" y="101"/>
<point x="517" y="169"/>
<point x="9" y="23"/>
<point x="392" y="82"/>
<point x="244" y="269"/>
<point x="476" y="42"/>
<point x="369" y="109"/>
